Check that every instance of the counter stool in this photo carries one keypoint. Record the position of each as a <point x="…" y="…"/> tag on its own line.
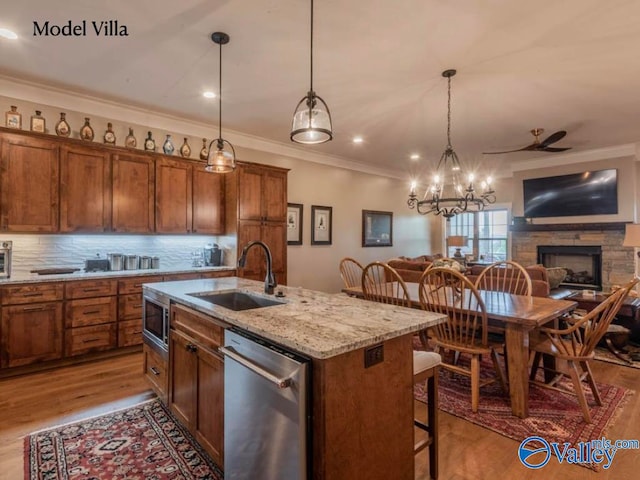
<point x="425" y="368"/>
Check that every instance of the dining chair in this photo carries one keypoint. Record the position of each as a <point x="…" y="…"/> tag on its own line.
<point x="382" y="283"/>
<point x="464" y="333"/>
<point x="351" y="272"/>
<point x="505" y="276"/>
<point x="574" y="346"/>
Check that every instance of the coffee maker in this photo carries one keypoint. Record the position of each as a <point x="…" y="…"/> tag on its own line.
<point x="212" y="255"/>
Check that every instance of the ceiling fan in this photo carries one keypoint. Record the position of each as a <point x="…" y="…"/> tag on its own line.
<point x="540" y="146"/>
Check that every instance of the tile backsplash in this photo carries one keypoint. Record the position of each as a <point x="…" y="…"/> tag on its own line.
<point x="47" y="251"/>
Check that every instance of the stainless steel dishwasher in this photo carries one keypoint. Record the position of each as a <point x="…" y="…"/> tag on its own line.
<point x="267" y="421"/>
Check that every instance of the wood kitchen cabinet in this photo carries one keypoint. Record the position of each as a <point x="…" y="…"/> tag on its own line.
<point x="130" y="309"/>
<point x="31" y="328"/>
<point x="133" y="193"/>
<point x="29" y="184"/>
<point x="196" y="377"/>
<point x="257" y="210"/>
<point x="188" y="198"/>
<point x="85" y="189"/>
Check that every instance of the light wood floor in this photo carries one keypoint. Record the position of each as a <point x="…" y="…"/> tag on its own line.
<point x="467" y="452"/>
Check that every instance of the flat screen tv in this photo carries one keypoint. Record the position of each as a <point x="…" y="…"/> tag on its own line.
<point x="586" y="193"/>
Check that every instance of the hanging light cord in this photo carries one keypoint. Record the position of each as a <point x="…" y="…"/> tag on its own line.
<point x="311" y="43"/>
<point x="220" y="93"/>
<point x="449" y="114"/>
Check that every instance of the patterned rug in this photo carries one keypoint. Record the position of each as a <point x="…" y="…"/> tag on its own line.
<point x="554" y="415"/>
<point x="605" y="355"/>
<point x="143" y="442"/>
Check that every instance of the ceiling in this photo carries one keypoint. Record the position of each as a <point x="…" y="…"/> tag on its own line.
<point x="570" y="65"/>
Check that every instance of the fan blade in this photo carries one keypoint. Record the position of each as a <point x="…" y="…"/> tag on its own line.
<point x="553" y="138"/>
<point x="554" y="149"/>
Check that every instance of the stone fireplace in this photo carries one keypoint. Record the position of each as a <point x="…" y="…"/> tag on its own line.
<point x="582" y="262"/>
<point x="616" y="263"/>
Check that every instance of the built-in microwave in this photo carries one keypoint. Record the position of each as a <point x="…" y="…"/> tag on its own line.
<point x="155" y="321"/>
<point x="5" y="258"/>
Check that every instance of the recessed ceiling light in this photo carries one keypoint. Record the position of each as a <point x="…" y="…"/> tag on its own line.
<point x="414" y="156"/>
<point x="209" y="94"/>
<point x="6" y="33"/>
<point x="358" y="140"/>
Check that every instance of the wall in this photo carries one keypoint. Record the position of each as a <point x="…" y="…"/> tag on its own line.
<point x="310" y="182"/>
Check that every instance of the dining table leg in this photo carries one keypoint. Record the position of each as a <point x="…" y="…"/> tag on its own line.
<point x="517" y="342"/>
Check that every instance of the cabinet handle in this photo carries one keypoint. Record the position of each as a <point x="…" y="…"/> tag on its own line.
<point x="35" y="294"/>
<point x="90" y="289"/>
<point x="33" y="309"/>
<point x="90" y="312"/>
<point x="91" y="340"/>
<point x="191" y="348"/>
<point x="155" y="371"/>
<point x="139" y="305"/>
<point x="136" y="285"/>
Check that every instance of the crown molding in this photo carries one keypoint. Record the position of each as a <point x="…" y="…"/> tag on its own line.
<point x="32" y="91"/>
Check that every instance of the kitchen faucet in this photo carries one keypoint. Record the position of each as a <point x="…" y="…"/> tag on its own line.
<point x="270" y="279"/>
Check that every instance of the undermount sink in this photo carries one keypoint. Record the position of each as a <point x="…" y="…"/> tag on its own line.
<point x="236" y="301"/>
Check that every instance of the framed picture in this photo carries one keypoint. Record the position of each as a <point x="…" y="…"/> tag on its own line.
<point x="377" y="228"/>
<point x="321" y="218"/>
<point x="294" y="224"/>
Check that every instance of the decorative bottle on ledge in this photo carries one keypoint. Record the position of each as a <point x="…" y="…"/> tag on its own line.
<point x="185" y="149"/>
<point x="167" y="146"/>
<point x="130" y="141"/>
<point x="13" y="118"/>
<point x="63" y="129"/>
<point x="150" y="143"/>
<point x="109" y="136"/>
<point x="86" y="132"/>
<point x="38" y="122"/>
<point x="204" y="152"/>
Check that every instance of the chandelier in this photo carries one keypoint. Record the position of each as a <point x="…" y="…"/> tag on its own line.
<point x="450" y="193"/>
<point x="222" y="158"/>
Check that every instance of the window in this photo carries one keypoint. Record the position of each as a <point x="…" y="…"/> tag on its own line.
<point x="486" y="234"/>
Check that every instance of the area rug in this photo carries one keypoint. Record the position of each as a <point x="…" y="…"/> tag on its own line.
<point x="554" y="415"/>
<point x="605" y="355"/>
<point x="139" y="443"/>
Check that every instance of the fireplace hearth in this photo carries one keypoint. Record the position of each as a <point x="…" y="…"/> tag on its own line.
<point x="582" y="262"/>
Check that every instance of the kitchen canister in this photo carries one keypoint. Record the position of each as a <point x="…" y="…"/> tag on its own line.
<point x="155" y="262"/>
<point x="145" y="262"/>
<point x="131" y="262"/>
<point x="116" y="261"/>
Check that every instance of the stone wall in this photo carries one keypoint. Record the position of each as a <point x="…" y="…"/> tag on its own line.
<point x="618" y="266"/>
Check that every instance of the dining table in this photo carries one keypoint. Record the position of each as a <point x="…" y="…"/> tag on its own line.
<point x="519" y="315"/>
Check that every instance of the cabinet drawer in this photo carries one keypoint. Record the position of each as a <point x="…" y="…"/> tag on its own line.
<point x="134" y="285"/>
<point x="91" y="288"/>
<point x="89" y="339"/>
<point x="130" y="333"/>
<point x="182" y="276"/>
<point x="90" y="311"/>
<point x="155" y="369"/>
<point x="224" y="273"/>
<point x="32" y="293"/>
<point x="202" y="328"/>
<point x="130" y="306"/>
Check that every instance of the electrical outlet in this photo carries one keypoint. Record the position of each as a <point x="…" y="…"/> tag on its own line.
<point x="373" y="355"/>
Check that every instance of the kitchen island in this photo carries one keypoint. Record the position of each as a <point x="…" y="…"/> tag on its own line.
<point x="362" y="404"/>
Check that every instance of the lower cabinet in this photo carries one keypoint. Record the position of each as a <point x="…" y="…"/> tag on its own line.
<point x="155" y="369"/>
<point x="196" y="378"/>
<point x="31" y="333"/>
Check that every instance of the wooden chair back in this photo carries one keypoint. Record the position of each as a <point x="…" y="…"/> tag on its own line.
<point x="382" y="283"/>
<point x="578" y="341"/>
<point x="444" y="290"/>
<point x="505" y="276"/>
<point x="351" y="272"/>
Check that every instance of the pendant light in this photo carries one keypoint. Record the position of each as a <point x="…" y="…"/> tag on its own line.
<point x="311" y="119"/>
<point x="451" y="193"/>
<point x="222" y="156"/>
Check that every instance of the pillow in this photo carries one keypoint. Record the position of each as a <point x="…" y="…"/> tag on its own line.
<point x="449" y="264"/>
<point x="556" y="276"/>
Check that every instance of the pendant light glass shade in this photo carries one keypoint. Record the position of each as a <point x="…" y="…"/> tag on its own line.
<point x="311" y="119"/>
<point x="222" y="156"/>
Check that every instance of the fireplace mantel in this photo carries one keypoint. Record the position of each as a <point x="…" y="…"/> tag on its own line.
<point x="550" y="227"/>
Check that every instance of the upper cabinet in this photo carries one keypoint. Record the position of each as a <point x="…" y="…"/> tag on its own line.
<point x="29" y="182"/>
<point x="262" y="194"/>
<point x="133" y="209"/>
<point x="85" y="189"/>
<point x="188" y="198"/>
<point x="51" y="184"/>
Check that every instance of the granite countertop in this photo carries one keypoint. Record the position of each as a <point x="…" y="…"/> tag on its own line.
<point x="82" y="275"/>
<point x="317" y="324"/>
